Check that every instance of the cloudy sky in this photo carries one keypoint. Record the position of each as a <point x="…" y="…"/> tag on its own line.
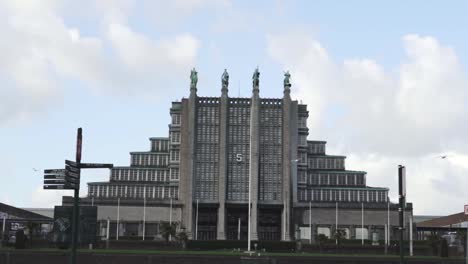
<point x="386" y="83"/>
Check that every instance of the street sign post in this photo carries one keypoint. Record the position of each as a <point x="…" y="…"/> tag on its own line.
<point x="69" y="179"/>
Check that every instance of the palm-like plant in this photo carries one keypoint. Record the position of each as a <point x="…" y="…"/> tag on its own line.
<point x="166" y="230"/>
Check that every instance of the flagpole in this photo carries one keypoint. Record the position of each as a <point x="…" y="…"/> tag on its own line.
<point x="336" y="224"/>
<point x="144" y="213"/>
<point x="170" y="218"/>
<point x="362" y="223"/>
<point x="310" y="222"/>
<point x="118" y="217"/>
<point x="196" y="223"/>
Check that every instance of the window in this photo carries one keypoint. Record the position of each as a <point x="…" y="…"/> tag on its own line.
<point x="174" y="174"/>
<point x="175" y="137"/>
<point x="176" y="119"/>
<point x="174" y="155"/>
<point x="302" y="177"/>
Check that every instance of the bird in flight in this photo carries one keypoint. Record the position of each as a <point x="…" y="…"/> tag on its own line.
<point x="34" y="169"/>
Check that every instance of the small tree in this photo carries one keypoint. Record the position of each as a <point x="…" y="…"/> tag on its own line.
<point x="339" y="235"/>
<point x="322" y="239"/>
<point x="182" y="239"/>
<point x="461" y="235"/>
<point x="166" y="230"/>
<point x="434" y="243"/>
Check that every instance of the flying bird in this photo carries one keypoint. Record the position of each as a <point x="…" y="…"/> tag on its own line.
<point x="34" y="169"/>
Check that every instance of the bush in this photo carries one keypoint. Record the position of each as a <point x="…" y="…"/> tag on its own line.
<point x="271" y="246"/>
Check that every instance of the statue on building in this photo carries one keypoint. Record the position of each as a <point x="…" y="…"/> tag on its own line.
<point x="287" y="76"/>
<point x="256" y="77"/>
<point x="225" y="79"/>
<point x="193" y="78"/>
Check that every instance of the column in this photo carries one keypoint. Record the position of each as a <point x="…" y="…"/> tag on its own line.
<point x="221" y="229"/>
<point x="187" y="153"/>
<point x="254" y="159"/>
<point x="286" y="215"/>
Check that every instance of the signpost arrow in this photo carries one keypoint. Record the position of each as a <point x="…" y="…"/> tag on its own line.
<point x="54" y="176"/>
<point x="61" y="181"/>
<point x="72" y="180"/>
<point x="54" y="171"/>
<point x="72" y="169"/>
<point x="60" y="187"/>
<point x="96" y="165"/>
<point x="70" y="174"/>
<point x="72" y="163"/>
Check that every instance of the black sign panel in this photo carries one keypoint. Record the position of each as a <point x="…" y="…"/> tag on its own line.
<point x="55" y="187"/>
<point x="59" y="181"/>
<point x="63" y="225"/>
<point x="70" y="174"/>
<point x="72" y="180"/>
<point x="96" y="165"/>
<point x="72" y="169"/>
<point x="54" y="171"/>
<point x="71" y="163"/>
<point x="54" y="176"/>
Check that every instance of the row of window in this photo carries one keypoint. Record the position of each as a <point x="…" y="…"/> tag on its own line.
<point x="133" y="191"/>
<point x="154" y="175"/>
<point x="149" y="159"/>
<point x="332" y="178"/>
<point x="343" y="195"/>
<point x="207" y="153"/>
<point x="326" y="163"/>
<point x="160" y="145"/>
<point x="239" y="116"/>
<point x="316" y="148"/>
<point x="208" y="115"/>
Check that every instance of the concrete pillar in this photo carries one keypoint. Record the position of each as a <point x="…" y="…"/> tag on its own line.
<point x="187" y="153"/>
<point x="223" y="111"/>
<point x="254" y="159"/>
<point x="286" y="214"/>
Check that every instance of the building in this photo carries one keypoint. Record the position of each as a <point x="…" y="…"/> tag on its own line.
<point x="13" y="219"/>
<point x="218" y="149"/>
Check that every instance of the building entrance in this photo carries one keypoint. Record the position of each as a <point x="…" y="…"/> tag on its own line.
<point x="269" y="224"/>
<point x="234" y="215"/>
<point x="207" y="221"/>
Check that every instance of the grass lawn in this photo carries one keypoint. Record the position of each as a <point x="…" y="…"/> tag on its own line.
<point x="222" y="253"/>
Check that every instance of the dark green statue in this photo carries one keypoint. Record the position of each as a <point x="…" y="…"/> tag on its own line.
<point x="256" y="77"/>
<point x="287" y="76"/>
<point x="225" y="79"/>
<point x="193" y="78"/>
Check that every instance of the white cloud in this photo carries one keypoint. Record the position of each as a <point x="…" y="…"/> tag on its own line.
<point x="381" y="118"/>
<point x="39" y="51"/>
<point x="47" y="198"/>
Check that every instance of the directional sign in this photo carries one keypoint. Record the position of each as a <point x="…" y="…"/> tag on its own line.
<point x="72" y="169"/>
<point x="72" y="180"/>
<point x="72" y="163"/>
<point x="54" y="181"/>
<point x="61" y="187"/>
<point x="54" y="176"/>
<point x="72" y="186"/>
<point x="72" y="174"/>
<point x="96" y="165"/>
<point x="54" y="171"/>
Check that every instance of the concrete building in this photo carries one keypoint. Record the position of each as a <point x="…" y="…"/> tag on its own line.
<point x="199" y="176"/>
